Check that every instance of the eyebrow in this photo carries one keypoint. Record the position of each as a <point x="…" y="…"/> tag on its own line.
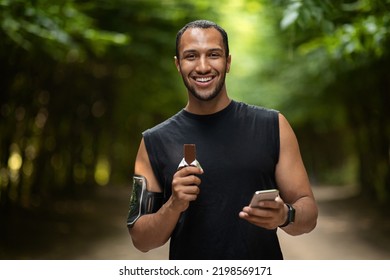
<point x="209" y="50"/>
<point x="216" y="49"/>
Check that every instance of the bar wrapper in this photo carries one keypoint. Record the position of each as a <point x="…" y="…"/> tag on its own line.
<point x="189" y="158"/>
<point x="183" y="163"/>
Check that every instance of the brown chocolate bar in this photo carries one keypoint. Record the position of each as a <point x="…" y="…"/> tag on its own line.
<point x="189" y="153"/>
<point x="189" y="158"/>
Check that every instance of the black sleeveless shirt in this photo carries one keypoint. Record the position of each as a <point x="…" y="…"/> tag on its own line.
<point x="238" y="149"/>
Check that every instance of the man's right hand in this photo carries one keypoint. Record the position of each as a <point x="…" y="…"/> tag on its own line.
<point x="185" y="187"/>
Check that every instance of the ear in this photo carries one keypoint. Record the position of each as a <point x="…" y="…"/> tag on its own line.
<point x="228" y="63"/>
<point x="177" y="63"/>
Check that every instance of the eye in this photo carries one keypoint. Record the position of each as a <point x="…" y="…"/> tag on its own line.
<point x="190" y="56"/>
<point x="215" y="55"/>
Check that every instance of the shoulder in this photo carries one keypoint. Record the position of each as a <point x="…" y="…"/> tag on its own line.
<point x="256" y="110"/>
<point x="257" y="115"/>
<point x="164" y="126"/>
<point x="284" y="124"/>
<point x="288" y="139"/>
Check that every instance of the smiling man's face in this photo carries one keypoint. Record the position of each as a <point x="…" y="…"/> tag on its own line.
<point x="202" y="62"/>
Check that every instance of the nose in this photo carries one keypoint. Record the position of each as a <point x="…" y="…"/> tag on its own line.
<point x="203" y="65"/>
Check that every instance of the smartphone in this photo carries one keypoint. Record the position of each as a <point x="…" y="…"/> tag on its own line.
<point x="263" y="195"/>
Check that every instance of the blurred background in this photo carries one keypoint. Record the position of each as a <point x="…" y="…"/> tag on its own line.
<point x="80" y="81"/>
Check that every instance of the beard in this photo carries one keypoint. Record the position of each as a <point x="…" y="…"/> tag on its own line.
<point x="202" y="97"/>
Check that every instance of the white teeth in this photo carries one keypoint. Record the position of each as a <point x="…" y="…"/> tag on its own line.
<point x="203" y="80"/>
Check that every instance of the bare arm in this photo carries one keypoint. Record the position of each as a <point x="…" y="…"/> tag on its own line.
<point x="293" y="182"/>
<point x="294" y="187"/>
<point x="154" y="230"/>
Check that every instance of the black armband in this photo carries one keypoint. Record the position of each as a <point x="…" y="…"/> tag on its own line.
<point x="142" y="201"/>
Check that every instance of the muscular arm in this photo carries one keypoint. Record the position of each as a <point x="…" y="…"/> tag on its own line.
<point x="293" y="182"/>
<point x="294" y="188"/>
<point x="154" y="230"/>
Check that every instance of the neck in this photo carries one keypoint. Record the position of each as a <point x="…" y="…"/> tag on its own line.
<point x="199" y="107"/>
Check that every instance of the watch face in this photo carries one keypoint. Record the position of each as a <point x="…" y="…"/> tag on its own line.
<point x="291" y="214"/>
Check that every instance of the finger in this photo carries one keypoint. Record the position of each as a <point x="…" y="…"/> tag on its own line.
<point x="271" y="204"/>
<point x="261" y="213"/>
<point x="188" y="170"/>
<point x="191" y="180"/>
<point x="187" y="193"/>
<point x="190" y="190"/>
<point x="258" y="221"/>
<point x="191" y="197"/>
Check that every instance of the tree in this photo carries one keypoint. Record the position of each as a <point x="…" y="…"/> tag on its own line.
<point x="80" y="81"/>
<point x="341" y="51"/>
<point x="47" y="125"/>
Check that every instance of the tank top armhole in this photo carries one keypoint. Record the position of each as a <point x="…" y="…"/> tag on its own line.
<point x="152" y="155"/>
<point x="277" y="135"/>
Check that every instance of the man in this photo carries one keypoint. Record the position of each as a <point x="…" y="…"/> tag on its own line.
<point x="205" y="210"/>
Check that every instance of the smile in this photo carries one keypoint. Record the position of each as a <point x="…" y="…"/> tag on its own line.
<point x="203" y="79"/>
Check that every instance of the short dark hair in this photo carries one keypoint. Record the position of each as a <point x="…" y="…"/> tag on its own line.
<point x="204" y="24"/>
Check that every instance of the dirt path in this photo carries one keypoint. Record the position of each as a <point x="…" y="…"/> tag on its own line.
<point x="95" y="229"/>
<point x="345" y="231"/>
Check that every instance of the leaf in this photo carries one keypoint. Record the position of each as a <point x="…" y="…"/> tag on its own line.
<point x="289" y="18"/>
<point x="290" y="14"/>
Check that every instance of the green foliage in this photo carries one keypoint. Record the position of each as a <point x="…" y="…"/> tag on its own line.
<point x="339" y="60"/>
<point x="350" y="30"/>
<point x="58" y="28"/>
<point x="81" y="80"/>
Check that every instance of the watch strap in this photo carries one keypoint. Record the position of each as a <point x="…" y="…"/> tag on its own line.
<point x="290" y="215"/>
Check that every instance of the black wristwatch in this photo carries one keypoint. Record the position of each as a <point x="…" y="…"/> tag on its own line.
<point x="290" y="216"/>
